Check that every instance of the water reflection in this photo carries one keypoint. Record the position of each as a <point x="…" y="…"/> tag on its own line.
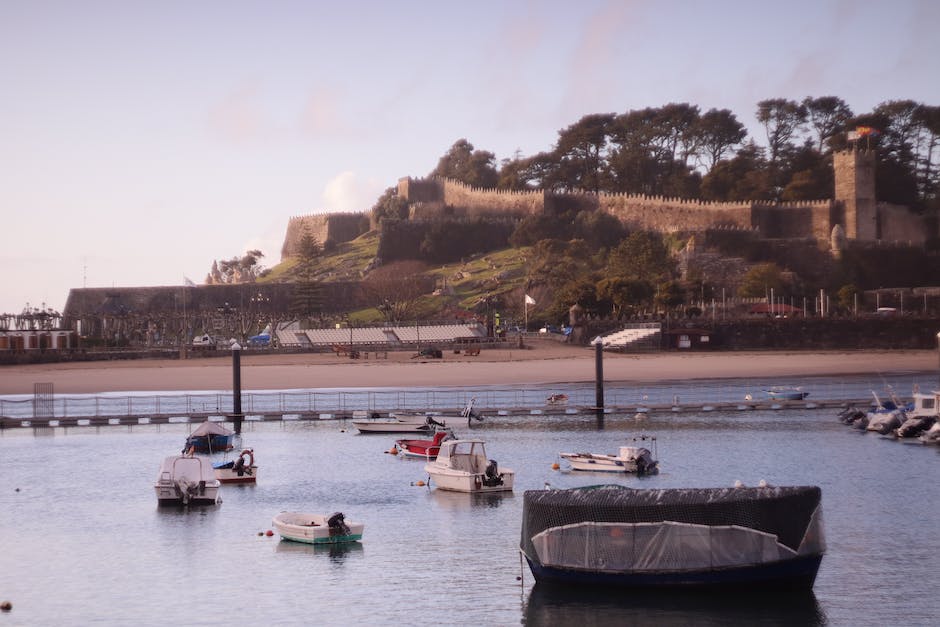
<point x="465" y="500"/>
<point x="337" y="553"/>
<point x="554" y="605"/>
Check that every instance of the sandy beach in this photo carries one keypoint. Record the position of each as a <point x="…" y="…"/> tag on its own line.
<point x="542" y="362"/>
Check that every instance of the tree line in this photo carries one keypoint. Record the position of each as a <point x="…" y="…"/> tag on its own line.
<point x="677" y="150"/>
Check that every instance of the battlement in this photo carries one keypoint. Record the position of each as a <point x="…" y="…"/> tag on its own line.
<point x="336" y="227"/>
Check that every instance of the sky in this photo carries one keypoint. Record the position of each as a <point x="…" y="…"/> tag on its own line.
<point x="140" y="141"/>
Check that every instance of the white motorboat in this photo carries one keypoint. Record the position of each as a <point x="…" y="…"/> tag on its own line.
<point x="462" y="466"/>
<point x="931" y="435"/>
<point x="629" y="459"/>
<point x="397" y="423"/>
<point x="240" y="470"/>
<point x="187" y="480"/>
<point x="317" y="528"/>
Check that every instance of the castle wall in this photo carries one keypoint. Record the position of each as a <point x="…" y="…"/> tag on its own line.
<point x="897" y="223"/>
<point x="853" y="206"/>
<point x="338" y="227"/>
<point x="480" y="202"/>
<point x="674" y="214"/>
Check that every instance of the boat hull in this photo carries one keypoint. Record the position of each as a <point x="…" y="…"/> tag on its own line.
<point x="470" y="482"/>
<point x="418" y="451"/>
<point x="390" y="426"/>
<point x="314" y="529"/>
<point x="798" y="573"/>
<point x="169" y="494"/>
<point x="227" y="475"/>
<point x="595" y="464"/>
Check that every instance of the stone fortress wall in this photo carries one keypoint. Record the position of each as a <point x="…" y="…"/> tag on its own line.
<point x="335" y="227"/>
<point x="854" y="207"/>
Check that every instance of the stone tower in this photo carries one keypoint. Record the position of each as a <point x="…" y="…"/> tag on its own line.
<point x="855" y="190"/>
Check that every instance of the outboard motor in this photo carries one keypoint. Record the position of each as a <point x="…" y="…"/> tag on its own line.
<point x="491" y="476"/>
<point x="337" y="525"/>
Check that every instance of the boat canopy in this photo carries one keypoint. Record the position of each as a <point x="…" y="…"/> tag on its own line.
<point x="671" y="528"/>
<point x="210" y="428"/>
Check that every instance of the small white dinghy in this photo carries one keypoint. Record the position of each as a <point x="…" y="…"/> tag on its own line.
<point x="317" y="528"/>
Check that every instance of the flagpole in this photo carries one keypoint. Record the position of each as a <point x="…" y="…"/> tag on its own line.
<point x="525" y="309"/>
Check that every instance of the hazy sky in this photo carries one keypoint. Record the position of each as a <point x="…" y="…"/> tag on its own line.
<point x="139" y="141"/>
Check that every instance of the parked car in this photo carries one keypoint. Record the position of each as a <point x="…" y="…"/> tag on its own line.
<point x="203" y="341"/>
<point x="549" y="328"/>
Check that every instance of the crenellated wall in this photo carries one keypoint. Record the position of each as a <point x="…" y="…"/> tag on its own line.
<point x="432" y="198"/>
<point x="853" y="206"/>
<point x="337" y="227"/>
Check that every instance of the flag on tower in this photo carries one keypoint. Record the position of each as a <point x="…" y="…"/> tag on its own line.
<point x="529" y="300"/>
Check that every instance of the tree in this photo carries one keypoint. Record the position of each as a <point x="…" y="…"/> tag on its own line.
<point x="389" y="206"/>
<point x="625" y="294"/>
<point x="827" y="115"/>
<point x="471" y="167"/>
<point x="760" y="279"/>
<point x="642" y="255"/>
<point x="396" y="288"/>
<point x="717" y="132"/>
<point x="306" y="295"/>
<point x="846" y="296"/>
<point x="742" y="178"/>
<point x="781" y="119"/>
<point x="581" y="150"/>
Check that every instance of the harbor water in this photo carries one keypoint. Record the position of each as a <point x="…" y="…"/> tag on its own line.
<point x="82" y="541"/>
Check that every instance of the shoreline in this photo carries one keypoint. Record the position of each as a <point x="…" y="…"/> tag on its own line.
<point x="541" y="364"/>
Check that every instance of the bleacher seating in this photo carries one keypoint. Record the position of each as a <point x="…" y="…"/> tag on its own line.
<point x="378" y="337"/>
<point x="646" y="336"/>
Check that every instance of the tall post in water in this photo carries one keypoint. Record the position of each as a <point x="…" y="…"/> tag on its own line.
<point x="938" y="357"/>
<point x="237" y="414"/>
<point x="599" y="375"/>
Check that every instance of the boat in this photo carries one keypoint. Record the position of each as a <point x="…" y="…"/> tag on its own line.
<point x="782" y="393"/>
<point x="886" y="416"/>
<point x="187" y="480"/>
<point x="426" y="449"/>
<point x="462" y="466"/>
<point x="931" y="435"/>
<point x="317" y="528"/>
<point x="239" y="470"/>
<point x="556" y="399"/>
<point x="611" y="535"/>
<point x="397" y="423"/>
<point x="210" y="437"/>
<point x="635" y="459"/>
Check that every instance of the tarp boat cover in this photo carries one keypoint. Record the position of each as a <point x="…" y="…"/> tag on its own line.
<point x="643" y="535"/>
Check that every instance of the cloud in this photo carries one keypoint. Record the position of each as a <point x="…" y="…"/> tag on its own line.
<point x="346" y="192"/>
<point x="240" y="117"/>
<point x="320" y="116"/>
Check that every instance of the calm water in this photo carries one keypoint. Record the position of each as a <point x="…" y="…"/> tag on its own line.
<point x="83" y="542"/>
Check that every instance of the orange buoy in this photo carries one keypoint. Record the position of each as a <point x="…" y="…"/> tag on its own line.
<point x="419" y="483"/>
<point x="393" y="450"/>
<point x="555" y="466"/>
<point x="269" y="533"/>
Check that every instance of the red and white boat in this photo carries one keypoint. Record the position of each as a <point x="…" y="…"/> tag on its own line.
<point x="425" y="449"/>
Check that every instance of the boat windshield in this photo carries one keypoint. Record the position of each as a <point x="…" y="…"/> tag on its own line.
<point x="460" y="447"/>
